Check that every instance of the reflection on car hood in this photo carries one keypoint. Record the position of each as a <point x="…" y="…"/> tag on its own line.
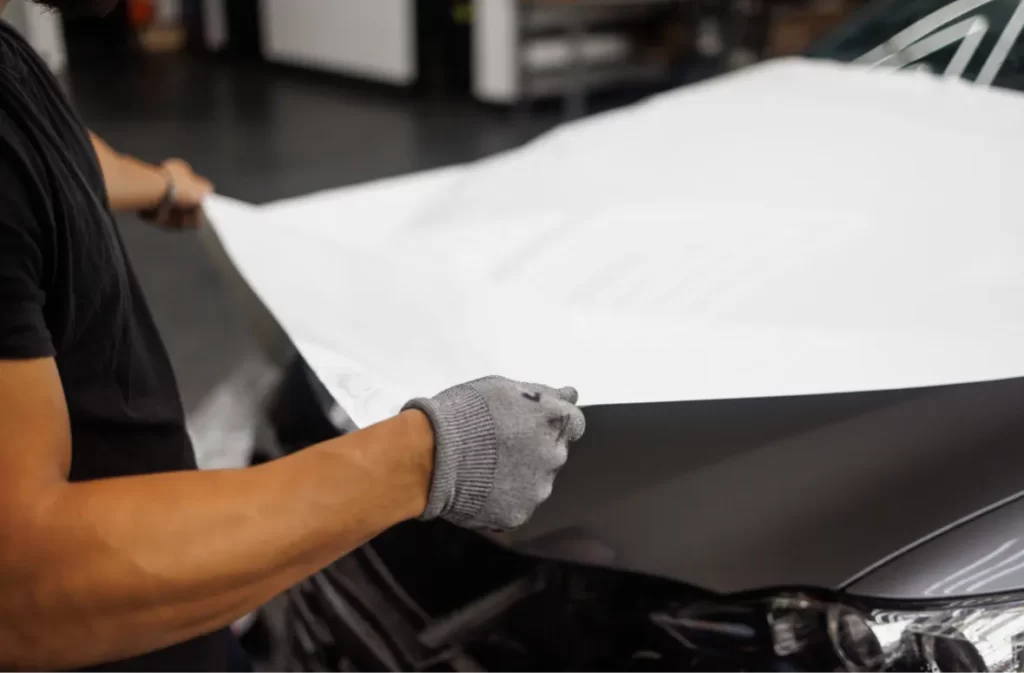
<point x="744" y="494"/>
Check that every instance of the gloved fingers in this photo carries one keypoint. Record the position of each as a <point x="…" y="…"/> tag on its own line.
<point x="544" y="489"/>
<point x="567" y="419"/>
<point x="577" y="425"/>
<point x="536" y="392"/>
<point x="569" y="394"/>
<point x="559" y="456"/>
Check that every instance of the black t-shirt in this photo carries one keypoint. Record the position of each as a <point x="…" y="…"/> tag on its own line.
<point x="67" y="290"/>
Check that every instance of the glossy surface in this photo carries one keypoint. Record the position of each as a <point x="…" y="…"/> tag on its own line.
<point x="983" y="556"/>
<point x="977" y="38"/>
<point x="742" y="495"/>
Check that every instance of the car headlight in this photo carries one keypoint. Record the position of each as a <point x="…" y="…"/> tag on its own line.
<point x="804" y="631"/>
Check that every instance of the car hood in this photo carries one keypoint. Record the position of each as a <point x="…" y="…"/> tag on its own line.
<point x="745" y="494"/>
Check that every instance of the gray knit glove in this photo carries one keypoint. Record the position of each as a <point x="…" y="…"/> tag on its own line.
<point x="499" y="444"/>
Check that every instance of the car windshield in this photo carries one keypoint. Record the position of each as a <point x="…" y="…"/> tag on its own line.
<point x="979" y="40"/>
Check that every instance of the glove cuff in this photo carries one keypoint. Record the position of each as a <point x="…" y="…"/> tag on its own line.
<point x="465" y="454"/>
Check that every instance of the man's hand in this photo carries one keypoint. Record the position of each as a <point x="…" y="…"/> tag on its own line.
<point x="499" y="445"/>
<point x="169" y="195"/>
<point x="190" y="189"/>
<point x="183" y="197"/>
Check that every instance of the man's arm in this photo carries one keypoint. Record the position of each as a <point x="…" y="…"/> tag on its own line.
<point x="133" y="185"/>
<point x="99" y="571"/>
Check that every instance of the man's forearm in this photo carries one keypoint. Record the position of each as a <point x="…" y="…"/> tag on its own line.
<point x="132" y="184"/>
<point x="110" y="569"/>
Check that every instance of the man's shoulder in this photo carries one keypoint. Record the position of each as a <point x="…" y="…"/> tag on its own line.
<point x="28" y="88"/>
<point x="15" y="55"/>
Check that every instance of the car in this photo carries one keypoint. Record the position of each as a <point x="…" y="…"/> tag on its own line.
<point x="768" y="545"/>
<point x="872" y="530"/>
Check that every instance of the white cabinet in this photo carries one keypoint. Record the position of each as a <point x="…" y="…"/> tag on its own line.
<point x="371" y="39"/>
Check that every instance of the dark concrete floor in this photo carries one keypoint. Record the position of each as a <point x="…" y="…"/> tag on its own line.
<point x="260" y="133"/>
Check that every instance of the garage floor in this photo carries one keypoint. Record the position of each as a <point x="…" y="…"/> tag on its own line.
<point x="260" y="133"/>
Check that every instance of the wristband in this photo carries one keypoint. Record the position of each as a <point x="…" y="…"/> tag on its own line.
<point x="167" y="202"/>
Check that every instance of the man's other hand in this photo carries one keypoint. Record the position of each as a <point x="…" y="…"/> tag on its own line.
<point x="189" y="190"/>
<point x="169" y="195"/>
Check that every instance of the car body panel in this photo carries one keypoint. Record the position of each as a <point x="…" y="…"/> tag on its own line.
<point x="982" y="556"/>
<point x="741" y="495"/>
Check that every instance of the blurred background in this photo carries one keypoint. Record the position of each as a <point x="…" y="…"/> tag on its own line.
<point x="279" y="98"/>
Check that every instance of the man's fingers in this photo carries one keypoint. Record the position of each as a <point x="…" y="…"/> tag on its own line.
<point x="560" y="404"/>
<point x="569" y="421"/>
<point x="178" y="163"/>
<point x="181" y="218"/>
<point x="577" y="425"/>
<point x="569" y="394"/>
<point x="193" y="195"/>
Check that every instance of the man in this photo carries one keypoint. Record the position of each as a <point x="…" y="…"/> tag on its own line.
<point x="114" y="551"/>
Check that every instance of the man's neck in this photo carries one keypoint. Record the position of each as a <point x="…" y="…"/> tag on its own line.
<point x="3" y="6"/>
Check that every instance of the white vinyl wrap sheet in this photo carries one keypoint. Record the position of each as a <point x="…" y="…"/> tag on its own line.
<point x="799" y="227"/>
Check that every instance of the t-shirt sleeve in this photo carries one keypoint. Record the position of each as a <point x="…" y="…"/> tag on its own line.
<point x="23" y="331"/>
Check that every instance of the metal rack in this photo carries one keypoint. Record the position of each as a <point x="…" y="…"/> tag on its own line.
<point x="573" y="21"/>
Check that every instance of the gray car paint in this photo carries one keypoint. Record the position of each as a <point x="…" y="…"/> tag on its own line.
<point x="982" y="556"/>
<point x="749" y="494"/>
